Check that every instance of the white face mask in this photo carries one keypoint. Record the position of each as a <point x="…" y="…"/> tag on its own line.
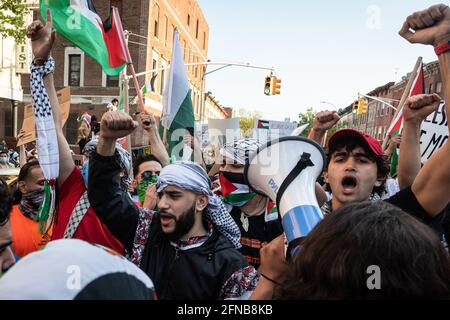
<point x="4" y="160"/>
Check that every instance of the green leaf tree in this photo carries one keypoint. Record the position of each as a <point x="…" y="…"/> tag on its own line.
<point x="247" y="121"/>
<point x="12" y="19"/>
<point x="307" y="117"/>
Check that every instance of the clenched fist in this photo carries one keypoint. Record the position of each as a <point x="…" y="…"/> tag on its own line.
<point x="116" y="125"/>
<point x="418" y="107"/>
<point x="430" y="26"/>
<point x="325" y="120"/>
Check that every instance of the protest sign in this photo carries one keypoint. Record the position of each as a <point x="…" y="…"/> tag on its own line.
<point x="433" y="133"/>
<point x="267" y="130"/>
<point x="29" y="126"/>
<point x="222" y="131"/>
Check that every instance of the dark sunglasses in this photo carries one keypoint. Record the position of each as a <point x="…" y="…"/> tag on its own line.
<point x="149" y="174"/>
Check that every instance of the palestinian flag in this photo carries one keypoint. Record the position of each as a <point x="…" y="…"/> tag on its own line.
<point x="236" y="194"/>
<point x="78" y="22"/>
<point x="396" y="127"/>
<point x="178" y="114"/>
<point x="262" y="124"/>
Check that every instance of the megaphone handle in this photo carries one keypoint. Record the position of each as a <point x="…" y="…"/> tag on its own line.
<point x="293" y="248"/>
<point x="303" y="163"/>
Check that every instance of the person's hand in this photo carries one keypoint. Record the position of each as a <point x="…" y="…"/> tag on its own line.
<point x="151" y="197"/>
<point x="116" y="125"/>
<point x="418" y="107"/>
<point x="325" y="120"/>
<point x="273" y="261"/>
<point x="189" y="140"/>
<point x="396" y="140"/>
<point x="430" y="26"/>
<point x="42" y="37"/>
<point x="148" y="121"/>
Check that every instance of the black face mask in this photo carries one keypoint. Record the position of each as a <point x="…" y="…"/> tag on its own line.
<point x="234" y="177"/>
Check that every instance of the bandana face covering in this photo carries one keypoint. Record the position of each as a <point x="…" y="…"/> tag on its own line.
<point x="234" y="189"/>
<point x="143" y="186"/>
<point x="30" y="203"/>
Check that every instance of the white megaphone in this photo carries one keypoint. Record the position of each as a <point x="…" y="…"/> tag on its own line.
<point x="286" y="171"/>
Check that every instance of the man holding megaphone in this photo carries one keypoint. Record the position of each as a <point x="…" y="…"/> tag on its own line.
<point x="355" y="166"/>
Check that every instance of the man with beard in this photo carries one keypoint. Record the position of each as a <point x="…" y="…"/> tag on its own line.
<point x="24" y="215"/>
<point x="189" y="247"/>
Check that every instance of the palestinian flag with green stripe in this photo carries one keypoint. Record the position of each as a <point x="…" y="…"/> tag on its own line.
<point x="78" y="22"/>
<point x="178" y="114"/>
<point x="262" y="124"/>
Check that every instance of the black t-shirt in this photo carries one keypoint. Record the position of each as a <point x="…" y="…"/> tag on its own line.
<point x="258" y="232"/>
<point x="407" y="201"/>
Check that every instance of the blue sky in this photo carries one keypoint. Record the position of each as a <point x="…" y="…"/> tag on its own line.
<point x="322" y="50"/>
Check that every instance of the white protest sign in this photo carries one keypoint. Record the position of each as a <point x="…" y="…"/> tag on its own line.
<point x="267" y="130"/>
<point x="433" y="133"/>
<point x="223" y="131"/>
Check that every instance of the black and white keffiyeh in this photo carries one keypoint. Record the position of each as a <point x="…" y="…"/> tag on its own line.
<point x="240" y="151"/>
<point x="190" y="176"/>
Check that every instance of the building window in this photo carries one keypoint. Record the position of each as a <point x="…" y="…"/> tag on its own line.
<point x="73" y="67"/>
<point x="166" y="27"/>
<point x="430" y="90"/>
<point x="154" y="66"/>
<point x="74" y="70"/>
<point x="196" y="30"/>
<point x="163" y="76"/>
<point x="189" y="20"/>
<point x="156" y="24"/>
<point x="196" y="68"/>
<point x="204" y="40"/>
<point x="438" y="87"/>
<point x="184" y="50"/>
<point x="112" y="81"/>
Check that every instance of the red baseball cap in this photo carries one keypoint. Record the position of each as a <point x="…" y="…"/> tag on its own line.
<point x="346" y="134"/>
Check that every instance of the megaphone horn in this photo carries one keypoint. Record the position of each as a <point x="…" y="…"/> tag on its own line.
<point x="286" y="171"/>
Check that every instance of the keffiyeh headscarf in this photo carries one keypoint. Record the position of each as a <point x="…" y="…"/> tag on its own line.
<point x="190" y="176"/>
<point x="125" y="161"/>
<point x="240" y="151"/>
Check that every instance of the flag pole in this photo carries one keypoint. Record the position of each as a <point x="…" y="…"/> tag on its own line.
<point x="130" y="62"/>
<point x="404" y="96"/>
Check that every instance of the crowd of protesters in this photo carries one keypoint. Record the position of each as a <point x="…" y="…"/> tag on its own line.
<point x="187" y="234"/>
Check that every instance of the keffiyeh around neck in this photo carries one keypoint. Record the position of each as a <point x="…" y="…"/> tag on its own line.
<point x="190" y="176"/>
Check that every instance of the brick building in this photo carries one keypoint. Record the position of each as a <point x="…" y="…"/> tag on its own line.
<point x="187" y="17"/>
<point x="379" y="116"/>
<point x="91" y="89"/>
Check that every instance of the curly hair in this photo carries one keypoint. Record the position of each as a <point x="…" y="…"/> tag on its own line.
<point x="334" y="258"/>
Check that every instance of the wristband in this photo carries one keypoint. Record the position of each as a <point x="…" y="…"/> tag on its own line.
<point x="442" y="47"/>
<point x="267" y="278"/>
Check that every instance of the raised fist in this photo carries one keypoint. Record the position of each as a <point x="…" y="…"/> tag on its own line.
<point x="430" y="26"/>
<point x="116" y="125"/>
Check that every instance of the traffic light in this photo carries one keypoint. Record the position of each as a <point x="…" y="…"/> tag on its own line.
<point x="276" y="85"/>
<point x="362" y="106"/>
<point x="267" y="86"/>
<point x="355" y="106"/>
